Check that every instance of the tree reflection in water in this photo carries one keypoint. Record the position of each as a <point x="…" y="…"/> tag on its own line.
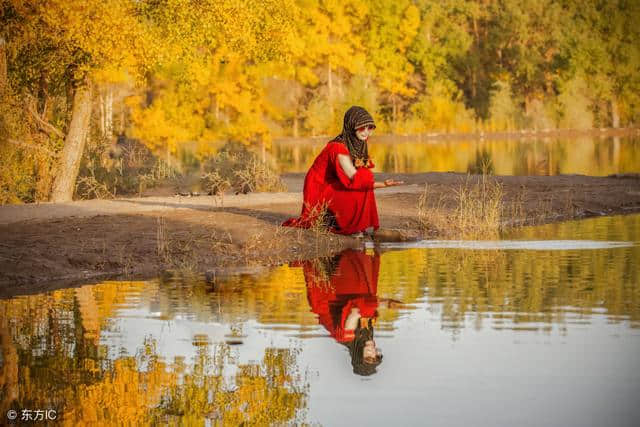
<point x="589" y="155"/>
<point x="52" y="359"/>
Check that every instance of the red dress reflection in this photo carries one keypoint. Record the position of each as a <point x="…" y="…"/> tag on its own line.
<point x="349" y="281"/>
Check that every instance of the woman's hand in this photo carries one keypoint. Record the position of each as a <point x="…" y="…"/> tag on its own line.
<point x="392" y="182"/>
<point x="387" y="183"/>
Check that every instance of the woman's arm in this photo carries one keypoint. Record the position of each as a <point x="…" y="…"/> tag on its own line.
<point x="349" y="170"/>
<point x="387" y="183"/>
<point x="353" y="179"/>
<point x="346" y="164"/>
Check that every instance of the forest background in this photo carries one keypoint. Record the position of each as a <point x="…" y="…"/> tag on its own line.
<point x="98" y="95"/>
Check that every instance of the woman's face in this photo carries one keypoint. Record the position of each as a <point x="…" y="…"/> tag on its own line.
<point x="363" y="132"/>
<point x="370" y="353"/>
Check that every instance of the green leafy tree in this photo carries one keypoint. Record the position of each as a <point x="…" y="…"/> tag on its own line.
<point x="392" y="29"/>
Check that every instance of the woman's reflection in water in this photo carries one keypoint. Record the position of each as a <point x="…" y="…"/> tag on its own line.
<point x="342" y="291"/>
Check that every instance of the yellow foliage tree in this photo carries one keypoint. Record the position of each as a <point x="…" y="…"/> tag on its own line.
<point x="58" y="47"/>
<point x="209" y="86"/>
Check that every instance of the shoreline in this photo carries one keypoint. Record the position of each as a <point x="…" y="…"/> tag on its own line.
<point x="50" y="246"/>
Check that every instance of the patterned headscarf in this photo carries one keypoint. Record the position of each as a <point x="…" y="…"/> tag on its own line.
<point x="354" y="118"/>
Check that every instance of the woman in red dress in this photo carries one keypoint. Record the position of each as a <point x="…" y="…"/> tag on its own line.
<point x="340" y="183"/>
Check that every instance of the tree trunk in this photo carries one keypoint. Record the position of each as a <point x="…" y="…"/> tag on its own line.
<point x="615" y="114"/>
<point x="329" y="80"/>
<point x="295" y="126"/>
<point x="102" y="113"/>
<point x="474" y="85"/>
<point x="89" y="313"/>
<point x="106" y="113"/>
<point x="3" y="65"/>
<point x="394" y="109"/>
<point x="9" y="369"/>
<point x="122" y="118"/>
<point x="330" y="84"/>
<point x="73" y="146"/>
<point x="296" y="156"/>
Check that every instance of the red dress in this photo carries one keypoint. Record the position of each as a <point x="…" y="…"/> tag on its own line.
<point x="353" y="284"/>
<point x="351" y="201"/>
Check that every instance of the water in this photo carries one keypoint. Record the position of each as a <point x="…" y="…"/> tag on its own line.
<point x="540" y="329"/>
<point x="592" y="155"/>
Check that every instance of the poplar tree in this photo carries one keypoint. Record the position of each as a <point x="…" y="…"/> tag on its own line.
<point x="57" y="48"/>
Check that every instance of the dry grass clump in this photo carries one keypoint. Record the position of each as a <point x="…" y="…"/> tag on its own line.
<point x="215" y="184"/>
<point x="127" y="168"/>
<point x="88" y="187"/>
<point x="323" y="268"/>
<point x="472" y="211"/>
<point x="175" y="253"/>
<point x="321" y="218"/>
<point x="322" y="222"/>
<point x="273" y="245"/>
<point x="258" y="176"/>
<point x="162" y="240"/>
<point x="281" y="244"/>
<point x="235" y="167"/>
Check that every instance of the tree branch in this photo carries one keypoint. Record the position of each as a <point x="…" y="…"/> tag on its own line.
<point x="3" y="64"/>
<point x="33" y="147"/>
<point x="44" y="125"/>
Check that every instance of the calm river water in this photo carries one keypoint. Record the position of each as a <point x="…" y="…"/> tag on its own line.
<point x="587" y="155"/>
<point x="539" y="329"/>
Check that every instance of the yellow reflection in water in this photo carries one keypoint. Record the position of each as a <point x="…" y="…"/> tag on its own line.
<point x="275" y="296"/>
<point x="584" y="155"/>
<point x="52" y="358"/>
<point x="525" y="288"/>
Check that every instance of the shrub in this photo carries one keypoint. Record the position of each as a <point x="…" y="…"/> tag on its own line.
<point x="127" y="168"/>
<point x="27" y="156"/>
<point x="235" y="167"/>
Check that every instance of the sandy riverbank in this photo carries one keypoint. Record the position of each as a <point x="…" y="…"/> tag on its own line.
<point x="48" y="246"/>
